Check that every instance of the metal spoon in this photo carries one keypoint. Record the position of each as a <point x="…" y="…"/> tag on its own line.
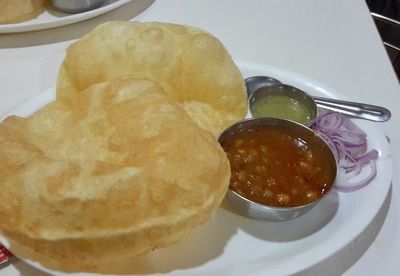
<point x="358" y="110"/>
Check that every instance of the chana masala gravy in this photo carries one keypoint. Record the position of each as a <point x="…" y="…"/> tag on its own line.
<point x="272" y="166"/>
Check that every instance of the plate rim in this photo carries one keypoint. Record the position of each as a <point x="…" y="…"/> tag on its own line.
<point x="30" y="25"/>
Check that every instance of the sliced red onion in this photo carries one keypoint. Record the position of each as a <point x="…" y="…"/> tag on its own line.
<point x="357" y="167"/>
<point x="351" y="186"/>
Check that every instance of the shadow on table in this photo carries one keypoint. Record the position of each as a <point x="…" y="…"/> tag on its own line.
<point x="73" y="31"/>
<point x="350" y="253"/>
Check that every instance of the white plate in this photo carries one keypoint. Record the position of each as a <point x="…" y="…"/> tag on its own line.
<point x="52" y="19"/>
<point x="230" y="244"/>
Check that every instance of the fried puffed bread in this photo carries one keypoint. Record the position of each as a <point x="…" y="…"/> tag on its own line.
<point x="191" y="65"/>
<point x="122" y="171"/>
<point x="13" y="11"/>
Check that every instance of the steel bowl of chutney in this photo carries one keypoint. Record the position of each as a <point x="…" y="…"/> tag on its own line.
<point x="283" y="101"/>
<point x="280" y="169"/>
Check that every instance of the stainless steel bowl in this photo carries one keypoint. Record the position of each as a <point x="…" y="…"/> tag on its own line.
<point x="284" y="90"/>
<point x="256" y="82"/>
<point x="263" y="212"/>
<point x="76" y="6"/>
<point x="358" y="110"/>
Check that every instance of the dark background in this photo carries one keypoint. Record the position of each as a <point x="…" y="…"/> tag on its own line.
<point x="390" y="33"/>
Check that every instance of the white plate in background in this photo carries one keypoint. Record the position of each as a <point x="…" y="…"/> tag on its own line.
<point x="52" y="18"/>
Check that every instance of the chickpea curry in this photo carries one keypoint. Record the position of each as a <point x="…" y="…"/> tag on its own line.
<point x="272" y="166"/>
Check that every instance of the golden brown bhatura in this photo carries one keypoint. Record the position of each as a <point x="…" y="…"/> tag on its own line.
<point x="122" y="171"/>
<point x="13" y="11"/>
<point x="125" y="160"/>
<point x="191" y="65"/>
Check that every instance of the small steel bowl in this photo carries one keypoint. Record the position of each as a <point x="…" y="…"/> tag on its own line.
<point x="76" y="6"/>
<point x="255" y="210"/>
<point x="284" y="90"/>
<point x="256" y="82"/>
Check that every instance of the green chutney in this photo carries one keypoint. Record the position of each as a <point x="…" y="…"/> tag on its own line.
<point x="283" y="107"/>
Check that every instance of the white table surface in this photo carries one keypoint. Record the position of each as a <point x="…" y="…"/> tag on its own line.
<point x="334" y="42"/>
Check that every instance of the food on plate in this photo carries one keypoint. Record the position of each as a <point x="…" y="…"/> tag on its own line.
<point x="357" y="167"/>
<point x="281" y="106"/>
<point x="191" y="65"/>
<point x="120" y="172"/>
<point x="284" y="102"/>
<point x="275" y="166"/>
<point x="13" y="11"/>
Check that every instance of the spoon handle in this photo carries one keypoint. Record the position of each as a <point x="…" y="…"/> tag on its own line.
<point x="358" y="110"/>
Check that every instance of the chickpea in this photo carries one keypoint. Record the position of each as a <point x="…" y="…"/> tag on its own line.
<point x="249" y="183"/>
<point x="263" y="149"/>
<point x="305" y="166"/>
<point x="242" y="175"/>
<point x="298" y="180"/>
<point x="268" y="194"/>
<point x="251" y="156"/>
<point x="309" y="155"/>
<point x="234" y="184"/>
<point x="256" y="190"/>
<point x="254" y="153"/>
<point x="249" y="159"/>
<point x="286" y="138"/>
<point x="311" y="195"/>
<point x="283" y="198"/>
<point x="237" y="158"/>
<point x="270" y="182"/>
<point x="302" y="164"/>
<point x="254" y="179"/>
<point x="238" y="143"/>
